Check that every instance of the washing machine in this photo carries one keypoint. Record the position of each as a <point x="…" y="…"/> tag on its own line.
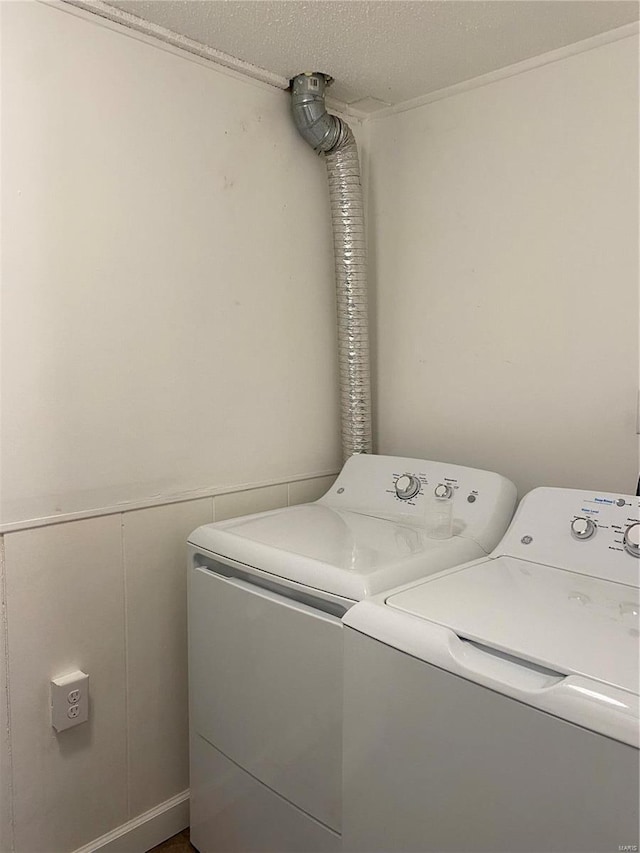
<point x="267" y="593"/>
<point x="494" y="706"/>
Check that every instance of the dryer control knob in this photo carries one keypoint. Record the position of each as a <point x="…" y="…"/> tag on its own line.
<point x="407" y="487"/>
<point x="632" y="539"/>
<point x="583" y="528"/>
<point x="443" y="491"/>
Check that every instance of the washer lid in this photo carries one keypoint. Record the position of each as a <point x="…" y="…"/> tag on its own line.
<point x="556" y="619"/>
<point x="341" y="552"/>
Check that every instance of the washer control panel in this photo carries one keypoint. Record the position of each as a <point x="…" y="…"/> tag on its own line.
<point x="416" y="488"/>
<point x="401" y="490"/>
<point x="596" y="534"/>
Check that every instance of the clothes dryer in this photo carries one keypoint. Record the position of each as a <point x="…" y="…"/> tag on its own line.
<point x="267" y="594"/>
<point x="494" y="707"/>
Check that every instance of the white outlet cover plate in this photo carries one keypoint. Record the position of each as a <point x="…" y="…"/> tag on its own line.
<point x="69" y="700"/>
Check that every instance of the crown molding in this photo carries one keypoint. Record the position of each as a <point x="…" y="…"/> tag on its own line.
<point x="626" y="31"/>
<point x="164" y="38"/>
<point x="161" y="36"/>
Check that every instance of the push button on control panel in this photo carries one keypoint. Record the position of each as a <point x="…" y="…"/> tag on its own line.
<point x="583" y="528"/>
<point x="631" y="539"/>
<point x="407" y="487"/>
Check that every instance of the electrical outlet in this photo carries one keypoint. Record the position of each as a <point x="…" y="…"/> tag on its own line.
<point x="69" y="700"/>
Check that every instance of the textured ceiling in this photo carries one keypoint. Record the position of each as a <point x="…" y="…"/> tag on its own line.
<point x="390" y="50"/>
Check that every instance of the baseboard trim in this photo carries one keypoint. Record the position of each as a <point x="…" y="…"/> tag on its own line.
<point x="145" y="831"/>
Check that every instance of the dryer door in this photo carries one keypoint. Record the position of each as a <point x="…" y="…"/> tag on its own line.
<point x="266" y="688"/>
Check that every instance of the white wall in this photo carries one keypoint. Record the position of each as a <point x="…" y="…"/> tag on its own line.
<point x="168" y="301"/>
<point x="106" y="595"/>
<point x="167" y="331"/>
<point x="504" y="244"/>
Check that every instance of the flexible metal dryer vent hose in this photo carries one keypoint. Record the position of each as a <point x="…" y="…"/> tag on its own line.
<point x="329" y="135"/>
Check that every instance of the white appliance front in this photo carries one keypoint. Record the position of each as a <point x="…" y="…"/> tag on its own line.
<point x="267" y="593"/>
<point x="494" y="707"/>
<point x="277" y="663"/>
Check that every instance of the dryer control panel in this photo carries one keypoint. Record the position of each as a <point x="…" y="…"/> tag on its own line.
<point x="401" y="490"/>
<point x="593" y="533"/>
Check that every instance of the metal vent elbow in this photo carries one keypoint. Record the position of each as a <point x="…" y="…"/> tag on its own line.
<point x="322" y="131"/>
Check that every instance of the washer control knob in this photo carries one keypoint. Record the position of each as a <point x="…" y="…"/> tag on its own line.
<point x="631" y="539"/>
<point x="443" y="491"/>
<point x="583" y="528"/>
<point x="407" y="487"/>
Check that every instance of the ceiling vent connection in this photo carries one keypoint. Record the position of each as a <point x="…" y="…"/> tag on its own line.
<point x="331" y="136"/>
